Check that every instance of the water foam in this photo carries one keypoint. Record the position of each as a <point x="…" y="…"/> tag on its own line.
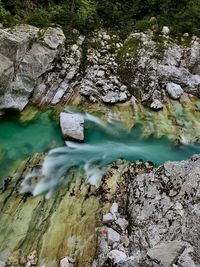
<point x="105" y="142"/>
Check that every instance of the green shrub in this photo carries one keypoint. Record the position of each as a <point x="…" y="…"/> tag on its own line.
<point x="39" y="18"/>
<point x="6" y="18"/>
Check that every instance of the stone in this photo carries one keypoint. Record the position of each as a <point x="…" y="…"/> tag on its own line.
<point x="72" y="127"/>
<point x="123" y="88"/>
<point x="111" y="97"/>
<point x="122" y="223"/>
<point x="114" y="208"/>
<point x="165" y="30"/>
<point x="108" y="218"/>
<point x="156" y="105"/>
<point x="122" y="97"/>
<point x="86" y="90"/>
<point x="166" y="253"/>
<point x="117" y="256"/>
<point x="54" y="37"/>
<point x="106" y="37"/>
<point x="74" y="48"/>
<point x="6" y="73"/>
<point x="100" y="73"/>
<point x="129" y="262"/>
<point x="2" y="264"/>
<point x="32" y="259"/>
<point x="18" y="41"/>
<point x="174" y="90"/>
<point x="125" y="241"/>
<point x="67" y="262"/>
<point x="28" y="60"/>
<point x="113" y="236"/>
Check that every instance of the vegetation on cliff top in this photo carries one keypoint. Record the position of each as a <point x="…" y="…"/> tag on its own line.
<point x="85" y="15"/>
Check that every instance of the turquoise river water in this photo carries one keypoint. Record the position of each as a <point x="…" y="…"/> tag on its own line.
<point x="104" y="143"/>
<point x="21" y="140"/>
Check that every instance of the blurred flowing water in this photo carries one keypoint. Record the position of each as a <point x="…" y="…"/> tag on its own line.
<point x="104" y="143"/>
<point x="20" y="140"/>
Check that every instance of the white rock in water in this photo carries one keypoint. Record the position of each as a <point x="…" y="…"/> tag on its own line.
<point x="72" y="127"/>
<point x="113" y="236"/>
<point x="117" y="256"/>
<point x="174" y="90"/>
<point x="166" y="253"/>
<point x="165" y="30"/>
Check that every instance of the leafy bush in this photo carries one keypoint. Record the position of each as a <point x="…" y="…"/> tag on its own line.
<point x="6" y="18"/>
<point x="85" y="15"/>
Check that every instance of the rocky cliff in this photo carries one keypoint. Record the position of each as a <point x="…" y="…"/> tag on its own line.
<point x="38" y="66"/>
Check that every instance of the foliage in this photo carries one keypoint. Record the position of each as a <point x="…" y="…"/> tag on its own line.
<point x="85" y="15"/>
<point x="6" y="18"/>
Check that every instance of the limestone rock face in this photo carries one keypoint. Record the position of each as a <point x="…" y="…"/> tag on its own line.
<point x="6" y="73"/>
<point x="164" y="207"/>
<point x="150" y="63"/>
<point x="15" y="42"/>
<point x="166" y="253"/>
<point x="72" y="127"/>
<point x="31" y="52"/>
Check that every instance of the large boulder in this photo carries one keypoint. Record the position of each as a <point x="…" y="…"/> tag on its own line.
<point x="32" y="52"/>
<point x="72" y="127"/>
<point x="15" y="42"/>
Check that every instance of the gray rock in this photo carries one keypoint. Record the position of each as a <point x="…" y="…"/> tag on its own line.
<point x="121" y="223"/>
<point x="113" y="236"/>
<point x="174" y="90"/>
<point x="72" y="127"/>
<point x="166" y="253"/>
<point x="123" y="97"/>
<point x="156" y="104"/>
<point x="2" y="264"/>
<point x="67" y="262"/>
<point x="111" y="97"/>
<point x="108" y="218"/>
<point x="32" y="57"/>
<point x="117" y="256"/>
<point x="6" y="73"/>
<point x="100" y="73"/>
<point x="129" y="262"/>
<point x="114" y="208"/>
<point x="14" y="43"/>
<point x="54" y="37"/>
<point x="74" y="47"/>
<point x="165" y="30"/>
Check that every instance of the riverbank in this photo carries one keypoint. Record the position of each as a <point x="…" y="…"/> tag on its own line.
<point x="149" y="82"/>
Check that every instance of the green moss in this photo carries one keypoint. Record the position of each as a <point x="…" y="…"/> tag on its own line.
<point x="129" y="49"/>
